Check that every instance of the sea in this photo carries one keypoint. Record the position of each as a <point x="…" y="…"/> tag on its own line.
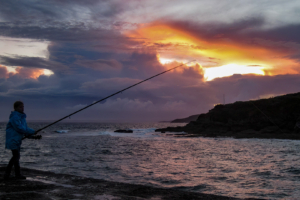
<point x="243" y="168"/>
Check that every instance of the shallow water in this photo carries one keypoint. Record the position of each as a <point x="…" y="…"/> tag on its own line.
<point x="260" y="168"/>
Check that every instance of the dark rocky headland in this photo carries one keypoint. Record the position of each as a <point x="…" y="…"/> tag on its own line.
<point x="276" y="117"/>
<point x="186" y="120"/>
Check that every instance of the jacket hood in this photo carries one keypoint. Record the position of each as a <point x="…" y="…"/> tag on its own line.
<point x="16" y="113"/>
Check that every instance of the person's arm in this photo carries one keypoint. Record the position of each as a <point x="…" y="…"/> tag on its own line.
<point x="30" y="132"/>
<point x="21" y="128"/>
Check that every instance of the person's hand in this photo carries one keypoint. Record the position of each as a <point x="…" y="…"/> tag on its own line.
<point x="36" y="132"/>
<point x="36" y="137"/>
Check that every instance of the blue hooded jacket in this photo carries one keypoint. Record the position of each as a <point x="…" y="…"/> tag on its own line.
<point x="16" y="129"/>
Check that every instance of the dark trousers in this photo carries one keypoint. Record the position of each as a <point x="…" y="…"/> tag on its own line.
<point x="14" y="161"/>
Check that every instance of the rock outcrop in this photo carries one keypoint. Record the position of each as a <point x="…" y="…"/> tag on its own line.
<point x="276" y="117"/>
<point x="186" y="120"/>
<point x="124" y="131"/>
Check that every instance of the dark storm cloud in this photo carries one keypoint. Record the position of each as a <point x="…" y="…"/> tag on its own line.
<point x="101" y="64"/>
<point x="33" y="62"/>
<point x="215" y="30"/>
<point x="16" y="10"/>
<point x="159" y="90"/>
<point x="57" y="10"/>
<point x="242" y="31"/>
<point x="288" y="33"/>
<point x="57" y="32"/>
<point x="250" y="32"/>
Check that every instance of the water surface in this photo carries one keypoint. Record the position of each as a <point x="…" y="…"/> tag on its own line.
<point x="244" y="168"/>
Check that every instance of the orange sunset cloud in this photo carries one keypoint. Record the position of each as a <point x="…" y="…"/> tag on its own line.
<point x="227" y="56"/>
<point x="29" y="73"/>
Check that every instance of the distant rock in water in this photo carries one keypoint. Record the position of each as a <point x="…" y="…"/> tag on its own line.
<point x="186" y="120"/>
<point x="276" y="117"/>
<point x="123" y="131"/>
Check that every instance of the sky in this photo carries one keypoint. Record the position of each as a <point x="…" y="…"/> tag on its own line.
<point x="58" y="56"/>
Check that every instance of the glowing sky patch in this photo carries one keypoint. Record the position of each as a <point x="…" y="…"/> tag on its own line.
<point x="165" y="60"/>
<point x="47" y="72"/>
<point x="31" y="72"/>
<point x="23" y="47"/>
<point x="229" y="70"/>
<point x="11" y="69"/>
<point x="176" y="44"/>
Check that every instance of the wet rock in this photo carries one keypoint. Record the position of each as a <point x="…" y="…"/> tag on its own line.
<point x="124" y="131"/>
<point x="43" y="185"/>
<point x="269" y="129"/>
<point x="249" y="133"/>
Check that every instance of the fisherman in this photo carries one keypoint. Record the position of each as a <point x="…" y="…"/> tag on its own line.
<point x="16" y="129"/>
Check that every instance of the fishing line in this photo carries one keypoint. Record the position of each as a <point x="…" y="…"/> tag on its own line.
<point x="68" y="116"/>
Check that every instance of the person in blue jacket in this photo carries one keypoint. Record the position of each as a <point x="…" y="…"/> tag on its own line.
<point x="16" y="129"/>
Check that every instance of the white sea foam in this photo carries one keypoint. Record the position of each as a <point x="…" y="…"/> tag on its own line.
<point x="141" y="132"/>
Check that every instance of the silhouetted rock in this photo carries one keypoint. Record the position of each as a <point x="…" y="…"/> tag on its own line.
<point x="123" y="131"/>
<point x="186" y="120"/>
<point x="276" y="117"/>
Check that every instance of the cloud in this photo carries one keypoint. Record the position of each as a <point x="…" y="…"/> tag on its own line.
<point x="95" y="12"/>
<point x="226" y="43"/>
<point x="32" y="62"/>
<point x="179" y="93"/>
<point x="57" y="10"/>
<point x="109" y="84"/>
<point x="245" y="87"/>
<point x="57" y="32"/>
<point x="76" y="107"/>
<point x="29" y="72"/>
<point x="288" y="33"/>
<point x="128" y="110"/>
<point x="101" y="64"/>
<point x="3" y="72"/>
<point x="243" y="32"/>
<point x="21" y="72"/>
<point x="126" y="105"/>
<point x="275" y="12"/>
<point x="96" y="48"/>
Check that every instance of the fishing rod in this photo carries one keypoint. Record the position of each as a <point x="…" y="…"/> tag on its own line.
<point x="107" y="98"/>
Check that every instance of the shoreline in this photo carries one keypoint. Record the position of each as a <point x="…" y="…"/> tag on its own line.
<point x="49" y="185"/>
<point x="194" y="129"/>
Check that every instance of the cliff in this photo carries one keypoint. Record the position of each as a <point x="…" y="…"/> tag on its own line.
<point x="275" y="117"/>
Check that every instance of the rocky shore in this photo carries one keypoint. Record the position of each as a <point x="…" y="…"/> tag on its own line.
<point x="186" y="120"/>
<point x="42" y="185"/>
<point x="276" y="117"/>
